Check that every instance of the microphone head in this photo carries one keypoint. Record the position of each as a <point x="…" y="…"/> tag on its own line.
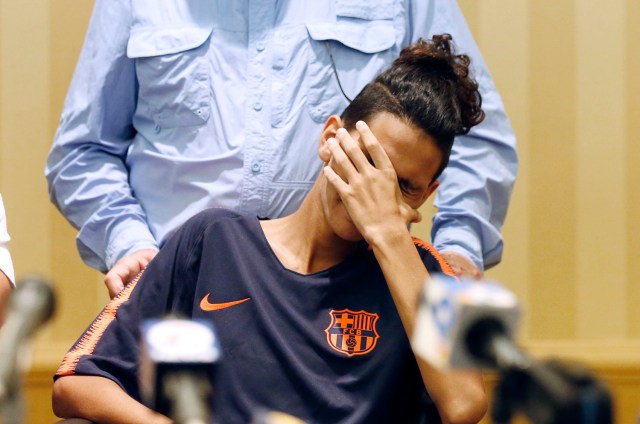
<point x="33" y="297"/>
<point x="265" y="416"/>
<point x="453" y="316"/>
<point x="172" y="345"/>
<point x="30" y="305"/>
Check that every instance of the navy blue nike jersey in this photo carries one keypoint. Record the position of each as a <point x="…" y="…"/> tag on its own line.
<point x="327" y="347"/>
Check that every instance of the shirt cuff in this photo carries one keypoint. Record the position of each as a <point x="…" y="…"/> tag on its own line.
<point x="462" y="241"/>
<point x="102" y="250"/>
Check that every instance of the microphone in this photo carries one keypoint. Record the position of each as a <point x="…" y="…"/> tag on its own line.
<point x="471" y="324"/>
<point x="177" y="366"/>
<point x="30" y="305"/>
<point x="265" y="416"/>
<point x="467" y="324"/>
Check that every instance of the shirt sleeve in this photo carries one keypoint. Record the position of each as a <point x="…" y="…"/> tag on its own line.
<point x="85" y="170"/>
<point x="476" y="187"/>
<point x="110" y="347"/>
<point x="6" y="265"/>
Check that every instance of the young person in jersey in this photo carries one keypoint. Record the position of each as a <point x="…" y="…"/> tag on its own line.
<point x="313" y="310"/>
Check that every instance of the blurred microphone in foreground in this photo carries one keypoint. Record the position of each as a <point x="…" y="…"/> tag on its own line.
<point x="30" y="305"/>
<point x="177" y="366"/>
<point x="264" y="416"/>
<point x="470" y="324"/>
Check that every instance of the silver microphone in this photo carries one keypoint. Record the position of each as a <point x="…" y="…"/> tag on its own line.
<point x="177" y="366"/>
<point x="467" y="324"/>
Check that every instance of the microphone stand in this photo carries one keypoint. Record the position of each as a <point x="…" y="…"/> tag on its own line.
<point x="547" y="392"/>
<point x="188" y="393"/>
<point x="552" y="392"/>
<point x="31" y="304"/>
<point x="12" y="402"/>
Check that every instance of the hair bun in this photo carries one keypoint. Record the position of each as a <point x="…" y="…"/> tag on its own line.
<point x="437" y="58"/>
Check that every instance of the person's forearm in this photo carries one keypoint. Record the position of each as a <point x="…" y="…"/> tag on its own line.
<point x="404" y="272"/>
<point x="99" y="400"/>
<point x="459" y="395"/>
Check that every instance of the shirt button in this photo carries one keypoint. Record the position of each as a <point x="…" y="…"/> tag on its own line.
<point x="260" y="46"/>
<point x="255" y="167"/>
<point x="257" y="106"/>
<point x="158" y="129"/>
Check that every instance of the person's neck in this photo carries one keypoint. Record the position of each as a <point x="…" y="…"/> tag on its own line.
<point x="303" y="242"/>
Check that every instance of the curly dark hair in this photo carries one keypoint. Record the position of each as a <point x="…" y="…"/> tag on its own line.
<point x="429" y="86"/>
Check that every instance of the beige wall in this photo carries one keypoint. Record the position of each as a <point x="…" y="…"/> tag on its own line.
<point x="567" y="71"/>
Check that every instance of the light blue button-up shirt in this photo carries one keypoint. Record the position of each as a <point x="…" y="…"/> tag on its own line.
<point x="180" y="105"/>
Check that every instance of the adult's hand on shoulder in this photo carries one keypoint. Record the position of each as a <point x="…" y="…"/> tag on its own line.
<point x="126" y="269"/>
<point x="462" y="266"/>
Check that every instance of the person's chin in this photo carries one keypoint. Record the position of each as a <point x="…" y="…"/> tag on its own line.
<point x="351" y="234"/>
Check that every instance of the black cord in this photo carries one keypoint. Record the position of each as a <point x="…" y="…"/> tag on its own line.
<point x="335" y="71"/>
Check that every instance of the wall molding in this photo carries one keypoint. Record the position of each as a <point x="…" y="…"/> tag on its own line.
<point x="597" y="353"/>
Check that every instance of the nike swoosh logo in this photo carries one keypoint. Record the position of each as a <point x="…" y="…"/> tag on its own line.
<point x="205" y="305"/>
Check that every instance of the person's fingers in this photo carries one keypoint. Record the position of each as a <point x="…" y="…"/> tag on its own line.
<point x="353" y="150"/>
<point x="120" y="275"/>
<point x="126" y="269"/>
<point x="114" y="283"/>
<point x="145" y="256"/>
<point x="335" y="180"/>
<point x="341" y="163"/>
<point x="373" y="147"/>
<point x="462" y="266"/>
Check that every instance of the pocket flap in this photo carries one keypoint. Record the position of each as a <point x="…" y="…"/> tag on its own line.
<point x="366" y="9"/>
<point x="367" y="36"/>
<point x="147" y="42"/>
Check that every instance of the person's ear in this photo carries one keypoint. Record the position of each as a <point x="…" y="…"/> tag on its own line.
<point x="330" y="128"/>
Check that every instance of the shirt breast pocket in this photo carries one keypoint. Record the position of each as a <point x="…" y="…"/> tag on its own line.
<point x="173" y="75"/>
<point x="360" y="43"/>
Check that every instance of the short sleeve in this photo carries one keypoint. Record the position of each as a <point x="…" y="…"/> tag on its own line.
<point x="6" y="265"/>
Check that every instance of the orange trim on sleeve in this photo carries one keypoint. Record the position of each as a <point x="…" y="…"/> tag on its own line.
<point x="446" y="268"/>
<point x="92" y="336"/>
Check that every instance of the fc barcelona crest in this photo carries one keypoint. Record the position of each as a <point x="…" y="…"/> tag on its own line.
<point x="352" y="333"/>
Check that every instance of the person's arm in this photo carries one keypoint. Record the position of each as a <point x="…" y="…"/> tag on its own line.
<point x="79" y="396"/>
<point x="87" y="176"/>
<point x="458" y="395"/>
<point x="98" y="376"/>
<point x="7" y="277"/>
<point x="5" y="291"/>
<point x="476" y="187"/>
<point x="382" y="220"/>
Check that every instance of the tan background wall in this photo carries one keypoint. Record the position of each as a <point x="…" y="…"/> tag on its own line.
<point x="568" y="73"/>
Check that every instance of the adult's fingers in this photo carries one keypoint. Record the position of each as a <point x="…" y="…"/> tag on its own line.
<point x="462" y="266"/>
<point x="126" y="269"/>
<point x="114" y="283"/>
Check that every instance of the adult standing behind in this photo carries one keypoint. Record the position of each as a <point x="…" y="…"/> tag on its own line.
<point x="176" y="106"/>
<point x="7" y="278"/>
